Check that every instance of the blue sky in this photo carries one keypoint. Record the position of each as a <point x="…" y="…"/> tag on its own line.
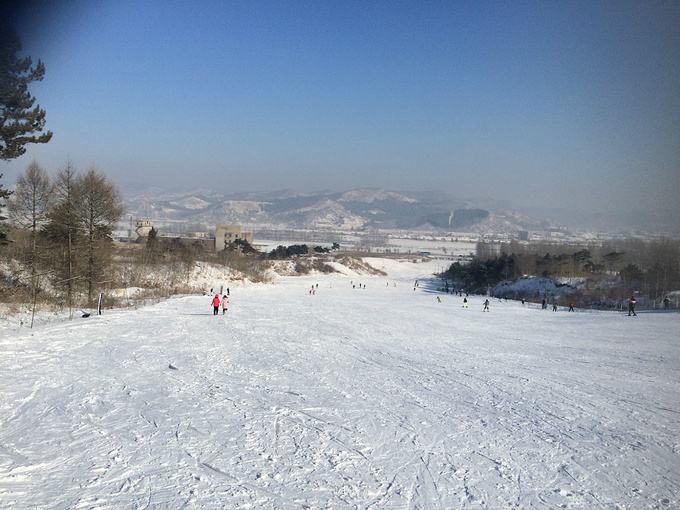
<point x="570" y="104"/>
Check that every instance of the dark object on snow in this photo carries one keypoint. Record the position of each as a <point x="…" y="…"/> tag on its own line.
<point x="171" y="367"/>
<point x="85" y="315"/>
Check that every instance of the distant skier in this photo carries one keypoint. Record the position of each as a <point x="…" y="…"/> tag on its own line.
<point x="486" y="306"/>
<point x="554" y="307"/>
<point x="465" y="302"/>
<point x="571" y="307"/>
<point x="544" y="304"/>
<point x="227" y="291"/>
<point x="523" y="301"/>
<point x="631" y="306"/>
<point x="216" y="304"/>
<point x="225" y="304"/>
<point x="439" y="299"/>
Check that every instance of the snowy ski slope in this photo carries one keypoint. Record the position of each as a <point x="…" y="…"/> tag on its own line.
<point x="375" y="398"/>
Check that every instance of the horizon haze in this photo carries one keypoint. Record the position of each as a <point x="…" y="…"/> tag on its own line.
<point x="571" y="106"/>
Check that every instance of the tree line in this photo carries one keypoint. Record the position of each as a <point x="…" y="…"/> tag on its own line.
<point x="651" y="268"/>
<point x="61" y="230"/>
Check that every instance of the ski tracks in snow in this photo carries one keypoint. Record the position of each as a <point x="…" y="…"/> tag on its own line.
<point x="376" y="398"/>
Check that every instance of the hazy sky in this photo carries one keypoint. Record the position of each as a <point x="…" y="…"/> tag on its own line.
<point x="567" y="103"/>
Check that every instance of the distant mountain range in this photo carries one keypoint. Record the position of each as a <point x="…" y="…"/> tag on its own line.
<point x="358" y="209"/>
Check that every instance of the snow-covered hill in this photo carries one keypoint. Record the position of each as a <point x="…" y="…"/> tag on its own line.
<point x="369" y="196"/>
<point x="375" y="398"/>
<point x="353" y="209"/>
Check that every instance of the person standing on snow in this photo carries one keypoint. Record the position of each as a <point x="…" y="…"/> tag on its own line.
<point x="631" y="306"/>
<point x="571" y="307"/>
<point x="486" y="306"/>
<point x="465" y="303"/>
<point x="554" y="307"/>
<point x="225" y="303"/>
<point x="216" y="304"/>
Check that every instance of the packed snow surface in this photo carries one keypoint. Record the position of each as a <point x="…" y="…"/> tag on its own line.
<point x="375" y="398"/>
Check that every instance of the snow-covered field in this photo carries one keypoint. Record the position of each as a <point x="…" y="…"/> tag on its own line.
<point x="375" y="398"/>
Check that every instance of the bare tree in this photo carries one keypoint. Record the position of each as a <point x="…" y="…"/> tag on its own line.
<point x="4" y="194"/>
<point x="98" y="210"/>
<point x="62" y="230"/>
<point x="28" y="209"/>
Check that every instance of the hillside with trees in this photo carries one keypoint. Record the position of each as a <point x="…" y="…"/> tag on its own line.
<point x="606" y="273"/>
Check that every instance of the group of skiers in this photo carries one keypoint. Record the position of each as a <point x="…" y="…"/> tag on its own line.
<point x="223" y="302"/>
<point x="544" y="305"/>
<point x="216" y="302"/>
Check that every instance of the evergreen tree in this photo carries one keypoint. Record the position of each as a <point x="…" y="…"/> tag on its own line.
<point x="153" y="245"/>
<point x="21" y="121"/>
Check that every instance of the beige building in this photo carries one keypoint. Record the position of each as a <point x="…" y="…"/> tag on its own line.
<point x="227" y="234"/>
<point x="143" y="228"/>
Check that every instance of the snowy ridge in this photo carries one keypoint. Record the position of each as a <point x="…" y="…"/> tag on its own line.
<point x="373" y="398"/>
<point x="353" y="209"/>
<point x="372" y="195"/>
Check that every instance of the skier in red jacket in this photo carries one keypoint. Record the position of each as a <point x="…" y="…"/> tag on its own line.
<point x="216" y="304"/>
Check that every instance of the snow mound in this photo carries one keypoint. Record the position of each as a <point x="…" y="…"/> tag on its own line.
<point x="242" y="206"/>
<point x="192" y="203"/>
<point x="369" y="196"/>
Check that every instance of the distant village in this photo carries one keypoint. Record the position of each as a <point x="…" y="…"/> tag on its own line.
<point x="444" y="245"/>
<point x="224" y="236"/>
